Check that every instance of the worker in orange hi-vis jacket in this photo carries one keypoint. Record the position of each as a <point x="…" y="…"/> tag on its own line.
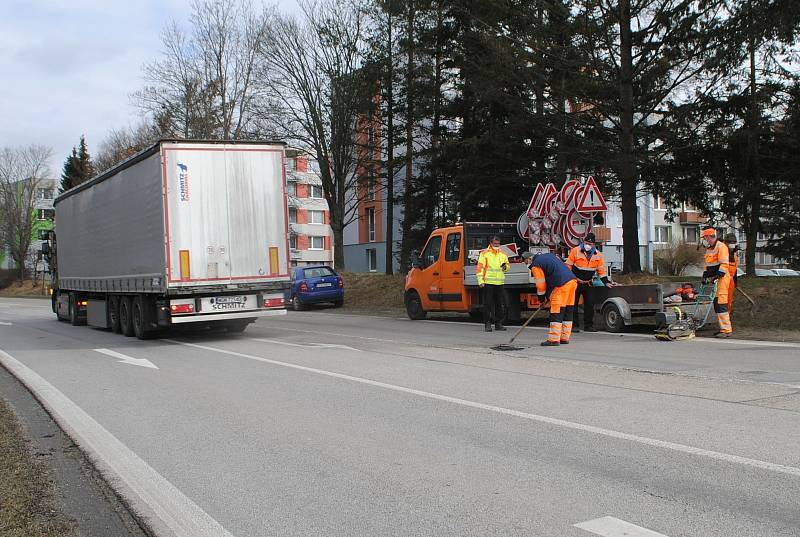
<point x="586" y="261"/>
<point x="555" y="280"/>
<point x="718" y="269"/>
<point x="733" y="263"/>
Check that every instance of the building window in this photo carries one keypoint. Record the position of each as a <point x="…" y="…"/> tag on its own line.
<point x="371" y="185"/>
<point x="291" y="189"/>
<point x="316" y="191"/>
<point x="292" y="215"/>
<point x="663" y="234"/>
<point x="290" y="164"/>
<point x="372" y="259"/>
<point x="690" y="235"/>
<point x="658" y="202"/>
<point x="44" y="194"/>
<point x="371" y="224"/>
<point x="316" y="243"/>
<point x="293" y="241"/>
<point x="316" y="217"/>
<point x="46" y="214"/>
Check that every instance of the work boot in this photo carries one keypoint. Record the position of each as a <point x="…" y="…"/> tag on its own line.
<point x="564" y="342"/>
<point x="499" y="327"/>
<point x="723" y="334"/>
<point x="488" y="327"/>
<point x="589" y="329"/>
<point x="548" y="343"/>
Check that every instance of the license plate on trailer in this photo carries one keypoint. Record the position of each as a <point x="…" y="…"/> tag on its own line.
<point x="228" y="303"/>
<point x="324" y="285"/>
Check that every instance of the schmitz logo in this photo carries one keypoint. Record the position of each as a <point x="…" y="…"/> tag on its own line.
<point x="183" y="181"/>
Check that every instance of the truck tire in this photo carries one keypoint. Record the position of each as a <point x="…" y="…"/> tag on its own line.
<point x="414" y="307"/>
<point x="125" y="316"/>
<point x="113" y="314"/>
<point x="74" y="314"/>
<point x="612" y="318"/>
<point x="139" y="318"/>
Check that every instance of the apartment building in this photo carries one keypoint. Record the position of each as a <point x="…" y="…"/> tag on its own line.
<point x="310" y="233"/>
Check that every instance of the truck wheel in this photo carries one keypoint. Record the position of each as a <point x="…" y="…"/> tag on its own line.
<point x="125" y="318"/>
<point x="138" y="322"/>
<point x="414" y="307"/>
<point x="612" y="318"/>
<point x="74" y="314"/>
<point x="113" y="314"/>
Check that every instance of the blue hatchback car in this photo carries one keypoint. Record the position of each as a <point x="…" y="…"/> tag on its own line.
<point x="315" y="285"/>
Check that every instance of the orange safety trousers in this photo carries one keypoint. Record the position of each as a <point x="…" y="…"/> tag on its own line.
<point x="562" y="297"/>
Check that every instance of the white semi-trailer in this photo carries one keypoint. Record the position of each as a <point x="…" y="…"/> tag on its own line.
<point x="182" y="232"/>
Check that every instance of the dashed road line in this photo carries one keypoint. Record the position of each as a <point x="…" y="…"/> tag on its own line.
<point x="608" y="526"/>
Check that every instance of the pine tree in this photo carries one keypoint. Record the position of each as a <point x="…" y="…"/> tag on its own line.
<point x="78" y="167"/>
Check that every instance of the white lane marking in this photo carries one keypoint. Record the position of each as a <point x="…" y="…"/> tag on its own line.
<point x="173" y="510"/>
<point x="673" y="446"/>
<point x="304" y="345"/>
<point x="6" y="324"/>
<point x="608" y="526"/>
<point x="123" y="359"/>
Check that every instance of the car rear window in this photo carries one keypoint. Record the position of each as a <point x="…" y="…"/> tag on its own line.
<point x="319" y="272"/>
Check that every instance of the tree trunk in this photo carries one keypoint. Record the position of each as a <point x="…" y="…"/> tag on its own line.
<point x="390" y="148"/>
<point x="627" y="166"/>
<point x="408" y="194"/>
<point x="753" y="187"/>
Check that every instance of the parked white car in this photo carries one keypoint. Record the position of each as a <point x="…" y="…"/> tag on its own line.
<point x="777" y="272"/>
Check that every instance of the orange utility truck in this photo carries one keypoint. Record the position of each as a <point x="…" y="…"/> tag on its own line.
<point x="442" y="277"/>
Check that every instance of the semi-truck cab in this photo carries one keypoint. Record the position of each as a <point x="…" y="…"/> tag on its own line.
<point x="443" y="275"/>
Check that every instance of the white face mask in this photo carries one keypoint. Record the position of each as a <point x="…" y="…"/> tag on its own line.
<point x="704" y="242"/>
<point x="587" y="248"/>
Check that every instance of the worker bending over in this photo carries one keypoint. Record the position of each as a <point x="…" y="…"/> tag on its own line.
<point x="553" y="278"/>
<point x="586" y="261"/>
<point x="491" y="274"/>
<point x="718" y="269"/>
<point x="733" y="263"/>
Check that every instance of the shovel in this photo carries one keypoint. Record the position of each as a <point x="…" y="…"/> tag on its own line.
<point x="508" y="346"/>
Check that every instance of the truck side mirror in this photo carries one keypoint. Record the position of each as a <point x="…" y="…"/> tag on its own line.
<point x="416" y="262"/>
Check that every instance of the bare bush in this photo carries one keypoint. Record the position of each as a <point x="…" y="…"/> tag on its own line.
<point x="676" y="257"/>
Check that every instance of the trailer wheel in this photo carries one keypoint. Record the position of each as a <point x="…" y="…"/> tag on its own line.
<point x="125" y="318"/>
<point x="414" y="307"/>
<point x="612" y="318"/>
<point x="113" y="314"/>
<point x="74" y="314"/>
<point x="138" y="320"/>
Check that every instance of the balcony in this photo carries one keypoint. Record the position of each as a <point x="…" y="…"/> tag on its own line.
<point x="602" y="233"/>
<point x="294" y="253"/>
<point x="692" y="218"/>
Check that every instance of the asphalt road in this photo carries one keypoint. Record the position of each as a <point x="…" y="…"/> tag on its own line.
<point x="340" y="425"/>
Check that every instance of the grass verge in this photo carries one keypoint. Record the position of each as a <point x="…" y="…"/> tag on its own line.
<point x="27" y="497"/>
<point x="26" y="288"/>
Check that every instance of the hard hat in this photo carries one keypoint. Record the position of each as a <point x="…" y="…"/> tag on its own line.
<point x="709" y="232"/>
<point x="589" y="237"/>
<point x="730" y="238"/>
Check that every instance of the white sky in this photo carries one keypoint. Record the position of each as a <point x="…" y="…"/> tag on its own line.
<point x="67" y="67"/>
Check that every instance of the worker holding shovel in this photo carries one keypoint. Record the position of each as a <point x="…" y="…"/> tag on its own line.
<point x="554" y="278"/>
<point x="718" y="269"/>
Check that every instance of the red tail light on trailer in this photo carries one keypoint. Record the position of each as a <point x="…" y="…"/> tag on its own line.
<point x="181" y="308"/>
<point x="274" y="303"/>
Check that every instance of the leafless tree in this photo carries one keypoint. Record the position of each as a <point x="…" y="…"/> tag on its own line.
<point x="202" y="86"/>
<point x="319" y="98"/>
<point x="119" y="144"/>
<point x="22" y="170"/>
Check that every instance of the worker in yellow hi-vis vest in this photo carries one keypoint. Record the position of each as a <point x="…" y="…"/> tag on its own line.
<point x="491" y="274"/>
